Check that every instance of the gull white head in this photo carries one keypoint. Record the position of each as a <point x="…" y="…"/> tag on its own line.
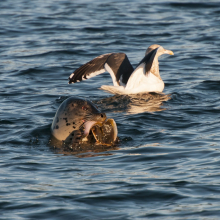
<point x="160" y="50"/>
<point x="155" y="66"/>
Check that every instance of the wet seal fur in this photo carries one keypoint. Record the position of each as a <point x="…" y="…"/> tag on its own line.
<point x="78" y="120"/>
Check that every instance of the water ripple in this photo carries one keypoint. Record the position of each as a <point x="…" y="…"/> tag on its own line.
<point x="166" y="163"/>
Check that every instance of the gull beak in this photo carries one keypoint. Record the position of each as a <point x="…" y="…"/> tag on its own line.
<point x="169" y="52"/>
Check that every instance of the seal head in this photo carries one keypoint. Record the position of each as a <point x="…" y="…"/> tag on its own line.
<point x="75" y="115"/>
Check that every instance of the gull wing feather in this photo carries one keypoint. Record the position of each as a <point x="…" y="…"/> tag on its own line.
<point x="117" y="64"/>
<point x="142" y="69"/>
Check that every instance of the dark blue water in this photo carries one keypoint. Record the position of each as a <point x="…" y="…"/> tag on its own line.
<point x="166" y="165"/>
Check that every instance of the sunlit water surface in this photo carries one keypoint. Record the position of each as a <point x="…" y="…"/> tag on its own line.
<point x="166" y="165"/>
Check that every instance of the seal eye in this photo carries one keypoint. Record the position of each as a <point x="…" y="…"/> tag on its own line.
<point x="84" y="108"/>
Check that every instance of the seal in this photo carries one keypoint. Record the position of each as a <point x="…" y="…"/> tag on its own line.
<point x="79" y="120"/>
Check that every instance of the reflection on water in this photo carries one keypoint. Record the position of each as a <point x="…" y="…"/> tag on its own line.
<point x="134" y="104"/>
<point x="151" y="102"/>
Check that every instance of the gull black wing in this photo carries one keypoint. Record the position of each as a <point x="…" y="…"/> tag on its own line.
<point x="117" y="64"/>
<point x="148" y="60"/>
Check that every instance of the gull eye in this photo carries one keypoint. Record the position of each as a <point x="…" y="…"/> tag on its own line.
<point x="84" y="108"/>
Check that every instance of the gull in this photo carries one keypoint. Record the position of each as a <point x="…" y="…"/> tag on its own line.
<point x="144" y="78"/>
